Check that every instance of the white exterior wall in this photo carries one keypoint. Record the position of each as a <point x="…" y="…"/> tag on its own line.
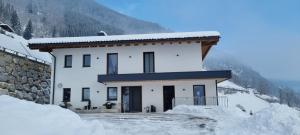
<point x="130" y="60"/>
<point x="183" y="88"/>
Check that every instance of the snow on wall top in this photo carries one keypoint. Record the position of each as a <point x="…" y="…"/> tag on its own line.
<point x="154" y="36"/>
<point x="16" y="43"/>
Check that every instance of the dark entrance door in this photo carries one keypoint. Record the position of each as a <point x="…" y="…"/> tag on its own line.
<point x="199" y="95"/>
<point x="132" y="99"/>
<point x="169" y="94"/>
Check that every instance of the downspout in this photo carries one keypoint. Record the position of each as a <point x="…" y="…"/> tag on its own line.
<point x="217" y="93"/>
<point x="53" y="80"/>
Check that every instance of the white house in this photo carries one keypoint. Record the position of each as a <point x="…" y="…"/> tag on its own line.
<point x="133" y="71"/>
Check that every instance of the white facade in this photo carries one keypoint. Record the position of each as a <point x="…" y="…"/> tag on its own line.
<point x="169" y="57"/>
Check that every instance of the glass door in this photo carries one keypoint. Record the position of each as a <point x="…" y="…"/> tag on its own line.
<point x="199" y="95"/>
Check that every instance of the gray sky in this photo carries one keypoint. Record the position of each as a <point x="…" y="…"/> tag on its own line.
<point x="264" y="34"/>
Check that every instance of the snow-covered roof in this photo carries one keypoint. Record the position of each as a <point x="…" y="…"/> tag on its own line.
<point x="135" y="37"/>
<point x="14" y="43"/>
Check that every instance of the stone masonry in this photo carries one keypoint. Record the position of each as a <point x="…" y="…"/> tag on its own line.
<point x="24" y="78"/>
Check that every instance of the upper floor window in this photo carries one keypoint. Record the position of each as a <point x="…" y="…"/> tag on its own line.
<point x="112" y="63"/>
<point x="68" y="61"/>
<point x="86" y="60"/>
<point x="149" y="62"/>
<point x="66" y="94"/>
<point x="85" y="94"/>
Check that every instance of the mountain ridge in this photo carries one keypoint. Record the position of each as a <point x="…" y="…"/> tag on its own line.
<point x="77" y="18"/>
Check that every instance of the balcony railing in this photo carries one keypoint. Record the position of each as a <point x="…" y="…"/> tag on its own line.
<point x="202" y="101"/>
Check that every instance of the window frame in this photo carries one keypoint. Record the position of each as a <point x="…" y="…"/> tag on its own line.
<point x="144" y="64"/>
<point x="83" y="60"/>
<point x="64" y="95"/>
<point x="108" y="96"/>
<point x="204" y="91"/>
<point x="107" y="63"/>
<point x="65" y="64"/>
<point x="82" y="94"/>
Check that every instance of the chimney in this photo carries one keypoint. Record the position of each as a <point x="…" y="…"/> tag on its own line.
<point x="101" y="33"/>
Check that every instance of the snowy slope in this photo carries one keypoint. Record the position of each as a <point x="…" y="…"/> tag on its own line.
<point x="246" y="99"/>
<point x="19" y="44"/>
<point x="231" y="85"/>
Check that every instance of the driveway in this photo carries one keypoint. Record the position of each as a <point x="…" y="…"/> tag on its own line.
<point x="153" y="124"/>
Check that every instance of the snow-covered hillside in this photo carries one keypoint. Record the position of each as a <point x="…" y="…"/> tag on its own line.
<point x="243" y="97"/>
<point x="16" y="43"/>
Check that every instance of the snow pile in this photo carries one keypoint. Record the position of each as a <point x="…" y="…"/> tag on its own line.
<point x="225" y="117"/>
<point x="276" y="119"/>
<point x="16" y="43"/>
<point x="19" y="117"/>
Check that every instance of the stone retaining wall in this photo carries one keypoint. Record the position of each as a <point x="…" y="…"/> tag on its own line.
<point x="24" y="78"/>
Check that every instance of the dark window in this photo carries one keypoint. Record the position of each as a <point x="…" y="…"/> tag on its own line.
<point x="66" y="94"/>
<point x="112" y="93"/>
<point x="149" y="62"/>
<point x="68" y="61"/>
<point x="86" y="60"/>
<point x="85" y="94"/>
<point x="112" y="63"/>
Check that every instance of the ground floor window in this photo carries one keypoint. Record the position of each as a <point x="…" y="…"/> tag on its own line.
<point x="66" y="94"/>
<point x="112" y="93"/>
<point x="85" y="94"/>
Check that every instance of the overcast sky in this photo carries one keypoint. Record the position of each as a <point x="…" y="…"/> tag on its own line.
<point x="264" y="34"/>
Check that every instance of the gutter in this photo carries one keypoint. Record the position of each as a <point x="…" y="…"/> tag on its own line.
<point x="53" y="80"/>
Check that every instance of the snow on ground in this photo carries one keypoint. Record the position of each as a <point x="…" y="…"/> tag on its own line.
<point x="19" y="44"/>
<point x="153" y="124"/>
<point x="27" y="118"/>
<point x="20" y="117"/>
<point x="274" y="120"/>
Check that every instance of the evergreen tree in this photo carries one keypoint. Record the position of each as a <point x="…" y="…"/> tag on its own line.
<point x="1" y="9"/>
<point x="30" y="7"/>
<point x="54" y="31"/>
<point x="28" y="31"/>
<point x="15" y="23"/>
